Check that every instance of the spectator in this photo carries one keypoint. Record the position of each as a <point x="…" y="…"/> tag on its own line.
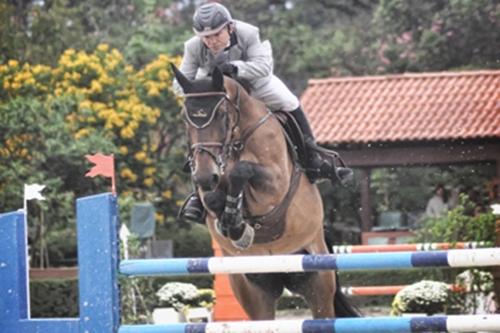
<point x="437" y="205"/>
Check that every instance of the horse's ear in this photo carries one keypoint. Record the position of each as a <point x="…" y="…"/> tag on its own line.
<point x="218" y="79"/>
<point x="181" y="79"/>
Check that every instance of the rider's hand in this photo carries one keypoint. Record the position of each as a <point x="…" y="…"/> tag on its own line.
<point x="229" y="69"/>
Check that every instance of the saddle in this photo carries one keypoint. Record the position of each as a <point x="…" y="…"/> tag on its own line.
<point x="334" y="167"/>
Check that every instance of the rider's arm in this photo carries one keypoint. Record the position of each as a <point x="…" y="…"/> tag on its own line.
<point x="259" y="56"/>
<point x="189" y="65"/>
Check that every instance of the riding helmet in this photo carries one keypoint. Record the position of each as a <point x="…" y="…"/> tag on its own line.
<point x="210" y="18"/>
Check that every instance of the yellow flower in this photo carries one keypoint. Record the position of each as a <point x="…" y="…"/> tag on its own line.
<point x="163" y="75"/>
<point x="103" y="47"/>
<point x="85" y="104"/>
<point x="127" y="173"/>
<point x="148" y="182"/>
<point x="95" y="87"/>
<point x="150" y="171"/>
<point x="140" y="156"/>
<point x="167" y="194"/>
<point x="69" y="52"/>
<point x="82" y="133"/>
<point x="123" y="150"/>
<point x="153" y="91"/>
<point x="13" y="63"/>
<point x="127" y="133"/>
<point x="159" y="217"/>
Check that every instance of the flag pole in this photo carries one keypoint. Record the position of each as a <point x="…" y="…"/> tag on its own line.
<point x="113" y="185"/>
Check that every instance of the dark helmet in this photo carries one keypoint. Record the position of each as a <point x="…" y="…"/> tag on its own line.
<point x="210" y="19"/>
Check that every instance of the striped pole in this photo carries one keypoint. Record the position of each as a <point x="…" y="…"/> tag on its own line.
<point x="304" y="263"/>
<point x="406" y="247"/>
<point x="467" y="323"/>
<point x="387" y="290"/>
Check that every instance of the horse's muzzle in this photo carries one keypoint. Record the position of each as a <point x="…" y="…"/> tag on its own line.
<point x="207" y="182"/>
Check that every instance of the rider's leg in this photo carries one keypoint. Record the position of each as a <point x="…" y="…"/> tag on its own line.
<point x="314" y="160"/>
<point x="276" y="95"/>
<point x="192" y="209"/>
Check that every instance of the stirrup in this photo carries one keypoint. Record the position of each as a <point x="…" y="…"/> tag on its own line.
<point x="192" y="210"/>
<point x="327" y="164"/>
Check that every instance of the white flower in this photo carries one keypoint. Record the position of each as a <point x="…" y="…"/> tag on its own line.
<point x="178" y="294"/>
<point x="424" y="296"/>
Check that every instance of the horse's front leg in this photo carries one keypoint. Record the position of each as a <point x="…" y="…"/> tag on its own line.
<point x="231" y="222"/>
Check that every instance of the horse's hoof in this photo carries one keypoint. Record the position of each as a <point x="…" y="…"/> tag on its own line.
<point x="246" y="239"/>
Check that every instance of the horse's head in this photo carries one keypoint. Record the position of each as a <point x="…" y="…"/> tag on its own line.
<point x="211" y="111"/>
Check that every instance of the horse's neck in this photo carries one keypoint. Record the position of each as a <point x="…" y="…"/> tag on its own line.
<point x="251" y="110"/>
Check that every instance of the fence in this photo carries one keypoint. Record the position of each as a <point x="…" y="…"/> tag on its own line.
<point x="97" y="227"/>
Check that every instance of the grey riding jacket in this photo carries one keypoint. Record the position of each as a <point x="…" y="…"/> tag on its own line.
<point x="254" y="60"/>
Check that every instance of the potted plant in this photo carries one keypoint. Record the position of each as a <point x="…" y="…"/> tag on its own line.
<point x="424" y="297"/>
<point x="189" y="302"/>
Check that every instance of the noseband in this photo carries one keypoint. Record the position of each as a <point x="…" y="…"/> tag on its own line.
<point x="234" y="140"/>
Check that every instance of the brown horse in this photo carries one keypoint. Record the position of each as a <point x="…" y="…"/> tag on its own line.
<point x="259" y="202"/>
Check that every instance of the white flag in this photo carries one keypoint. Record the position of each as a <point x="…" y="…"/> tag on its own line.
<point x="33" y="191"/>
<point x="496" y="209"/>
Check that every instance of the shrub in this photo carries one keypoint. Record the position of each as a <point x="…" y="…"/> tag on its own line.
<point x="428" y="297"/>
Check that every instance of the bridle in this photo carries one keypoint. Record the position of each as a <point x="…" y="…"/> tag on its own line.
<point x="234" y="141"/>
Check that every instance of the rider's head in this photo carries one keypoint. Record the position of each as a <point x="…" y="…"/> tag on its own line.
<point x="209" y="23"/>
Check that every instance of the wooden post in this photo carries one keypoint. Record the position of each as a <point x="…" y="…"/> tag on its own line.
<point x="366" y="210"/>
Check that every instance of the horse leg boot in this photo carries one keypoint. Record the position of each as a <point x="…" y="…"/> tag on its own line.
<point x="231" y="223"/>
<point x="318" y="163"/>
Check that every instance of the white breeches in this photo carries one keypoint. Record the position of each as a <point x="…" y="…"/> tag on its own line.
<point x="276" y="95"/>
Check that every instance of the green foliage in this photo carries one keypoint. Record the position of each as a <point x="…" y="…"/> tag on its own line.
<point x="459" y="226"/>
<point x="437" y="35"/>
<point x="54" y="298"/>
<point x="191" y="240"/>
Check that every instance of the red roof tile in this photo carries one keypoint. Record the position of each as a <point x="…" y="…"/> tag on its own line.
<point x="407" y="107"/>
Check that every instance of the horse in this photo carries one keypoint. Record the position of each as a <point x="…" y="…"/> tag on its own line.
<point x="257" y="197"/>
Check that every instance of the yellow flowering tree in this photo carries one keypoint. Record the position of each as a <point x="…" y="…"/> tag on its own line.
<point x="50" y="117"/>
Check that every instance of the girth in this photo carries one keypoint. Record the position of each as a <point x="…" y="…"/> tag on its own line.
<point x="271" y="226"/>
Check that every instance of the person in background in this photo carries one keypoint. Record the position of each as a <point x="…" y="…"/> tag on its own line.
<point x="235" y="47"/>
<point x="437" y="205"/>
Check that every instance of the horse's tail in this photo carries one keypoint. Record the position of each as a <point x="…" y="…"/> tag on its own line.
<point x="343" y="307"/>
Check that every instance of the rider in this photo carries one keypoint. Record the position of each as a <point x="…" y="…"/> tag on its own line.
<point x="235" y="47"/>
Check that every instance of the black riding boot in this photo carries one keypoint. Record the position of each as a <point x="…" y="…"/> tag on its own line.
<point x="192" y="210"/>
<point x="319" y="165"/>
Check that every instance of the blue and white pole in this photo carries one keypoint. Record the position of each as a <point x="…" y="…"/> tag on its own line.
<point x="303" y="263"/>
<point x="468" y="323"/>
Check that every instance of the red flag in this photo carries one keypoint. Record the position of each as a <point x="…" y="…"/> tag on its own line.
<point x="104" y="166"/>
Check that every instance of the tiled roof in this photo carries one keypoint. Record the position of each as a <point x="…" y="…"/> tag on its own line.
<point x="407" y="107"/>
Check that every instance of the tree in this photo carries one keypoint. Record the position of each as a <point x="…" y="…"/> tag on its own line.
<point x="437" y="35"/>
<point x="90" y="102"/>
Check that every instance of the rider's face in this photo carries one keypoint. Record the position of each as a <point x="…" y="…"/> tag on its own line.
<point x="218" y="41"/>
